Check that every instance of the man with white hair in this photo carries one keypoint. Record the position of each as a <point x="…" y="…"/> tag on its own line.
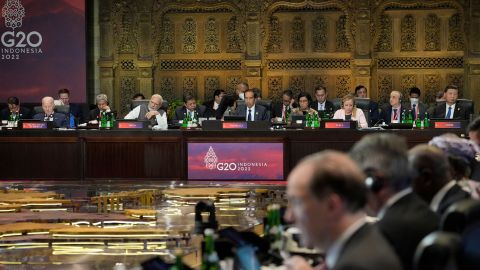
<point x="152" y="112"/>
<point x="49" y="114"/>
<point x="102" y="105"/>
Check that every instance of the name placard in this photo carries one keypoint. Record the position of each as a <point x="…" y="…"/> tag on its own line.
<point x="234" y="125"/>
<point x="34" y="125"/>
<point x="448" y="124"/>
<point x="130" y="125"/>
<point x="338" y="124"/>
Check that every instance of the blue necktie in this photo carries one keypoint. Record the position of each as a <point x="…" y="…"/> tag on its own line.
<point x="449" y="113"/>
<point x="249" y="116"/>
<point x="72" y="120"/>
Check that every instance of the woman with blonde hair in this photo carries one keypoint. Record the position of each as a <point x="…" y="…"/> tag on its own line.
<point x="350" y="112"/>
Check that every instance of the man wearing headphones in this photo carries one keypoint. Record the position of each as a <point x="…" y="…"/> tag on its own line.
<point x="404" y="218"/>
<point x="393" y="112"/>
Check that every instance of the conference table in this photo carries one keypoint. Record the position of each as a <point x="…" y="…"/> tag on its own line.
<point x="157" y="155"/>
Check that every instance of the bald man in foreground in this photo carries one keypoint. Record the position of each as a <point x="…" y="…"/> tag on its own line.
<point x="59" y="119"/>
<point x="326" y="202"/>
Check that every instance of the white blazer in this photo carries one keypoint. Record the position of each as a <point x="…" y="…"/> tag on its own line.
<point x="359" y="117"/>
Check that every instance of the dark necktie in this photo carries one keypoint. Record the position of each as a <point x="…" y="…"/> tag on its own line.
<point x="249" y="116"/>
<point x="414" y="111"/>
<point x="395" y="115"/>
<point x="449" y="113"/>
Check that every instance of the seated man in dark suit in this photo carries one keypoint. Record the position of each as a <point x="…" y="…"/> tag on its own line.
<point x="15" y="108"/>
<point x="287" y="103"/>
<point x="102" y="106"/>
<point x="212" y="105"/>
<point x="75" y="109"/>
<point x="49" y="114"/>
<point x="328" y="207"/>
<point x="250" y="110"/>
<point x="189" y="107"/>
<point x="374" y="115"/>
<point x="321" y="104"/>
<point x="451" y="109"/>
<point x="404" y="218"/>
<point x="415" y="105"/>
<point x="394" y="112"/>
<point x="436" y="184"/>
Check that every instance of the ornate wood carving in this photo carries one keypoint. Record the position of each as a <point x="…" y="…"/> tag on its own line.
<point x="432" y="33"/>
<point x="384" y="43"/>
<point x="408" y="33"/>
<point x="297" y="38"/>
<point x="342" y="44"/>
<point x="189" y="44"/>
<point x="275" y="38"/>
<point x="455" y="35"/>
<point x="211" y="36"/>
<point x="319" y="34"/>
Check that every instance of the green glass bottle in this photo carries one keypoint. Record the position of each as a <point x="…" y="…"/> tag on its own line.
<point x="103" y="119"/>
<point x="316" y="121"/>
<point x="210" y="259"/>
<point x="404" y="120"/>
<point x="185" y="120"/>
<point x="426" y="121"/>
<point x="178" y="260"/>
<point x="418" y="121"/>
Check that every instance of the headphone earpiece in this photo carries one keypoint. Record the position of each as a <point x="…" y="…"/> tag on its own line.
<point x="373" y="180"/>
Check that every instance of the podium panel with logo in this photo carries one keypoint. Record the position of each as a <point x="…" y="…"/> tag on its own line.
<point x="235" y="160"/>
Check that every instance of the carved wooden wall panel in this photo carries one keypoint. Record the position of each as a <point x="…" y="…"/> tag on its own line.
<point x="173" y="47"/>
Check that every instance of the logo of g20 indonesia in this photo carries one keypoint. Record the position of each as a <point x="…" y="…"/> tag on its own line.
<point x="212" y="163"/>
<point x="17" y="43"/>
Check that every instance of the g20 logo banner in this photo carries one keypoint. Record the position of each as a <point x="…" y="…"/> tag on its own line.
<point x="243" y="161"/>
<point x="17" y="42"/>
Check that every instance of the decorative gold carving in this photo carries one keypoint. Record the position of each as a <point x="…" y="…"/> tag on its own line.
<point x="455" y="35"/>
<point x="167" y="43"/>
<point x="455" y="79"/>
<point x="234" y="44"/>
<point x="232" y="82"/>
<point x="275" y="38"/>
<point x="297" y="38"/>
<point x="432" y="33"/>
<point x="189" y="36"/>
<point x="127" y="90"/>
<point x="384" y="43"/>
<point x="181" y="64"/>
<point x="190" y="85"/>
<point x="125" y="26"/>
<point x="420" y="62"/>
<point x="297" y="84"/>
<point x="408" y="81"/>
<point x="309" y="63"/>
<point x="342" y="85"/>
<point x="211" y="36"/>
<point x="408" y="33"/>
<point x="212" y="83"/>
<point x="320" y="80"/>
<point x="167" y="88"/>
<point x="127" y="65"/>
<point x="342" y="43"/>
<point x="319" y="34"/>
<point x="431" y="85"/>
<point x="385" y="86"/>
<point x="275" y="87"/>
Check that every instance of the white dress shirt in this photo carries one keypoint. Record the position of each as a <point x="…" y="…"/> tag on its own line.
<point x="452" y="112"/>
<point x="435" y="203"/>
<point x="215" y="105"/>
<point x="321" y="106"/>
<point x="252" y="112"/>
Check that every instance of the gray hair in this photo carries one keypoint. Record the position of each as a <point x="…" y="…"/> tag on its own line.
<point x="386" y="154"/>
<point x="101" y="97"/>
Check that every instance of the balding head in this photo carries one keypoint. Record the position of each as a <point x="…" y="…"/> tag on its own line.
<point x="430" y="170"/>
<point x="241" y="88"/>
<point x="155" y="102"/>
<point x="48" y="105"/>
<point x="323" y="190"/>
